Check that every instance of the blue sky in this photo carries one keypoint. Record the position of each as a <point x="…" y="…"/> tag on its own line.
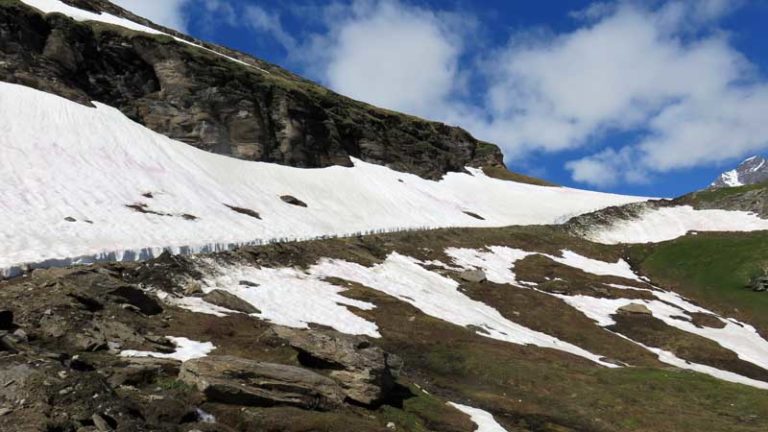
<point x="652" y="97"/>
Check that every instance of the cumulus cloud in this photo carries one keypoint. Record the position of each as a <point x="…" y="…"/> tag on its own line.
<point x="389" y="54"/>
<point x="168" y="13"/>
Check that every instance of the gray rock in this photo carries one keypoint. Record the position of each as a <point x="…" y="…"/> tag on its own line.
<point x="365" y="372"/>
<point x="230" y="301"/>
<point x="101" y="423"/>
<point x="239" y="381"/>
<point x="475" y="276"/>
<point x="635" y="308"/>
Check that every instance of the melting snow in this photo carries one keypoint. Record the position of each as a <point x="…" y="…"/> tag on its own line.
<point x="293" y="298"/>
<point x="87" y="164"/>
<point x="483" y="419"/>
<point x="668" y="223"/>
<point x="744" y="340"/>
<point x="435" y="295"/>
<point x="186" y="349"/>
<point x="498" y="263"/>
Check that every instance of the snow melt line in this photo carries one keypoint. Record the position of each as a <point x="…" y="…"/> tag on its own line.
<point x="483" y="419"/>
<point x="186" y="349"/>
<point x="56" y="6"/>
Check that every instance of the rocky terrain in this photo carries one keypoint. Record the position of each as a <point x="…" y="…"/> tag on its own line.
<point x="244" y="108"/>
<point x="164" y="346"/>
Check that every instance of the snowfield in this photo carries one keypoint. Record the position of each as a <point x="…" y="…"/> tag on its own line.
<point x="69" y="172"/>
<point x="669" y="223"/>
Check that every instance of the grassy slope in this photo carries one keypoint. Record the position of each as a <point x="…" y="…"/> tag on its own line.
<point x="712" y="268"/>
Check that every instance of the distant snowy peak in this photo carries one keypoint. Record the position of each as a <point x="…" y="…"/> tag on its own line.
<point x="752" y="171"/>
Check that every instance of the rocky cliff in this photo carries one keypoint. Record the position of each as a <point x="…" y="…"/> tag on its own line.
<point x="244" y="107"/>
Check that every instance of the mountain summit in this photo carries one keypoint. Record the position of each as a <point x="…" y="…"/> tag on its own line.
<point x="752" y="171"/>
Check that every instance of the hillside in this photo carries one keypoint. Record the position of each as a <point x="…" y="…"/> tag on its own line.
<point x="213" y="98"/>
<point x="195" y="240"/>
<point x="558" y="335"/>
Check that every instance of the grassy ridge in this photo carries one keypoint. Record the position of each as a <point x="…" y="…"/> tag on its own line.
<point x="712" y="268"/>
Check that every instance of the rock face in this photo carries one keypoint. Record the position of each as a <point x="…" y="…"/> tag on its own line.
<point x="365" y="372"/>
<point x="259" y="112"/>
<point x="753" y="170"/>
<point x="233" y="380"/>
<point x="229" y="301"/>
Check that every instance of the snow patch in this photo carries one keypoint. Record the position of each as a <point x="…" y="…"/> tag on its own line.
<point x="438" y="296"/>
<point x="293" y="298"/>
<point x="498" y="263"/>
<point x="186" y="349"/>
<point x="668" y="223"/>
<point x="483" y="419"/>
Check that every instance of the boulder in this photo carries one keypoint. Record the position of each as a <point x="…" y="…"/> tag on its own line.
<point x="230" y="301"/>
<point x="239" y="381"/>
<point x="366" y="373"/>
<point x="759" y="284"/>
<point x="292" y="200"/>
<point x="635" y="308"/>
<point x="475" y="276"/>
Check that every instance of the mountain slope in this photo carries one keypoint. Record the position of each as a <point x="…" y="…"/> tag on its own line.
<point x="753" y="170"/>
<point x="409" y="293"/>
<point x="214" y="98"/>
<point x="99" y="186"/>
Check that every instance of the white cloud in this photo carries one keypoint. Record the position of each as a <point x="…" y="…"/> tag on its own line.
<point x="265" y="21"/>
<point x="168" y="13"/>
<point x="392" y="55"/>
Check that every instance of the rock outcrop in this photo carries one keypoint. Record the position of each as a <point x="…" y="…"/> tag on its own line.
<point x="233" y="380"/>
<point x="366" y="373"/>
<point x="253" y="111"/>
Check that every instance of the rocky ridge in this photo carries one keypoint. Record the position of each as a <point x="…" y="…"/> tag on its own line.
<point x="753" y="170"/>
<point x="253" y="111"/>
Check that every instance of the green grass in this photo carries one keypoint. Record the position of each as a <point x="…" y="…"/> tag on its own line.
<point x="712" y="268"/>
<point x="713" y="195"/>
